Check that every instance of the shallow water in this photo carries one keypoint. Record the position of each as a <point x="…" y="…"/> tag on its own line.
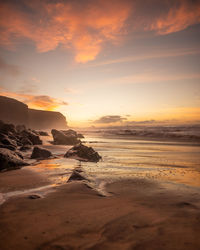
<point x="177" y="162"/>
<point x="122" y="158"/>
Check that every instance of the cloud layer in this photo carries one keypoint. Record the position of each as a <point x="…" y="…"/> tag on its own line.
<point x="86" y="26"/>
<point x="43" y="102"/>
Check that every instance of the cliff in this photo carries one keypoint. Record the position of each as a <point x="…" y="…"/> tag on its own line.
<point x="13" y="111"/>
<point x="39" y="119"/>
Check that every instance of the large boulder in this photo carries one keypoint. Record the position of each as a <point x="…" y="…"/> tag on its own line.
<point x="35" y="139"/>
<point x="10" y="160"/>
<point x="60" y="138"/>
<point x="40" y="153"/>
<point x="83" y="153"/>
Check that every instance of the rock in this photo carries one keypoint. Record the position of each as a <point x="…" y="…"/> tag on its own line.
<point x="24" y="148"/>
<point x="83" y="153"/>
<point x="70" y="132"/>
<point x="80" y="136"/>
<point x="62" y="139"/>
<point x="10" y="160"/>
<point x="43" y="133"/>
<point x="26" y="141"/>
<point x="6" y="128"/>
<point x="20" y="128"/>
<point x="19" y="154"/>
<point x="10" y="147"/>
<point x="40" y="153"/>
<point x="6" y="142"/>
<point x="35" y="139"/>
<point x="76" y="176"/>
<point x="34" y="196"/>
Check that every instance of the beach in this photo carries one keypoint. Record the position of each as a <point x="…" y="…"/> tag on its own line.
<point x="142" y="195"/>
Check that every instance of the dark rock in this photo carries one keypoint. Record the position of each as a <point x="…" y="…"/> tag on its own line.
<point x="10" y="147"/>
<point x="62" y="139"/>
<point x="20" y="128"/>
<point x="70" y="132"/>
<point x="80" y="136"/>
<point x="26" y="141"/>
<point x="83" y="153"/>
<point x="8" y="141"/>
<point x="24" y="148"/>
<point x="76" y="176"/>
<point x="35" y="132"/>
<point x="35" y="139"/>
<point x="43" y="133"/>
<point x="40" y="153"/>
<point x="19" y="154"/>
<point x="10" y="160"/>
<point x="6" y="128"/>
<point x="34" y="196"/>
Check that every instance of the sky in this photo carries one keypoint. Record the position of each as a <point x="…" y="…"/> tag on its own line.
<point x="103" y="63"/>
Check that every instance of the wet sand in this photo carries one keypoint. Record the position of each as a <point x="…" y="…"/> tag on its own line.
<point x="138" y="214"/>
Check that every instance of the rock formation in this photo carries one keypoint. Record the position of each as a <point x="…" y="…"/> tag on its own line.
<point x="13" y="111"/>
<point x="18" y="113"/>
<point x="39" y="119"/>
<point x="10" y="160"/>
<point x="40" y="153"/>
<point x="83" y="153"/>
<point x="64" y="138"/>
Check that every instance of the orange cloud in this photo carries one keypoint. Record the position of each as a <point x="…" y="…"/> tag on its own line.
<point x="85" y="28"/>
<point x="42" y="102"/>
<point x="178" y="18"/>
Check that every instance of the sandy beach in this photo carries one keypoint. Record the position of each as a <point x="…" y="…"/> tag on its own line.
<point x="137" y="214"/>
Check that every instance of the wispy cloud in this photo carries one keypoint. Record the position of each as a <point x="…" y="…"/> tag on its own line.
<point x="110" y="119"/>
<point x="148" y="56"/>
<point x="43" y="102"/>
<point x="182" y="15"/>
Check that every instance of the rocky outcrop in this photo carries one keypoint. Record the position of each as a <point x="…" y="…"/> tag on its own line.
<point x="18" y="113"/>
<point x="40" y="153"/>
<point x="13" y="111"/>
<point x="31" y="136"/>
<point x="83" y="153"/>
<point x="10" y="160"/>
<point x="39" y="119"/>
<point x="64" y="138"/>
<point x="12" y="138"/>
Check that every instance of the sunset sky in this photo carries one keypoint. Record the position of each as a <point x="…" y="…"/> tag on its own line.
<point x="103" y="62"/>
